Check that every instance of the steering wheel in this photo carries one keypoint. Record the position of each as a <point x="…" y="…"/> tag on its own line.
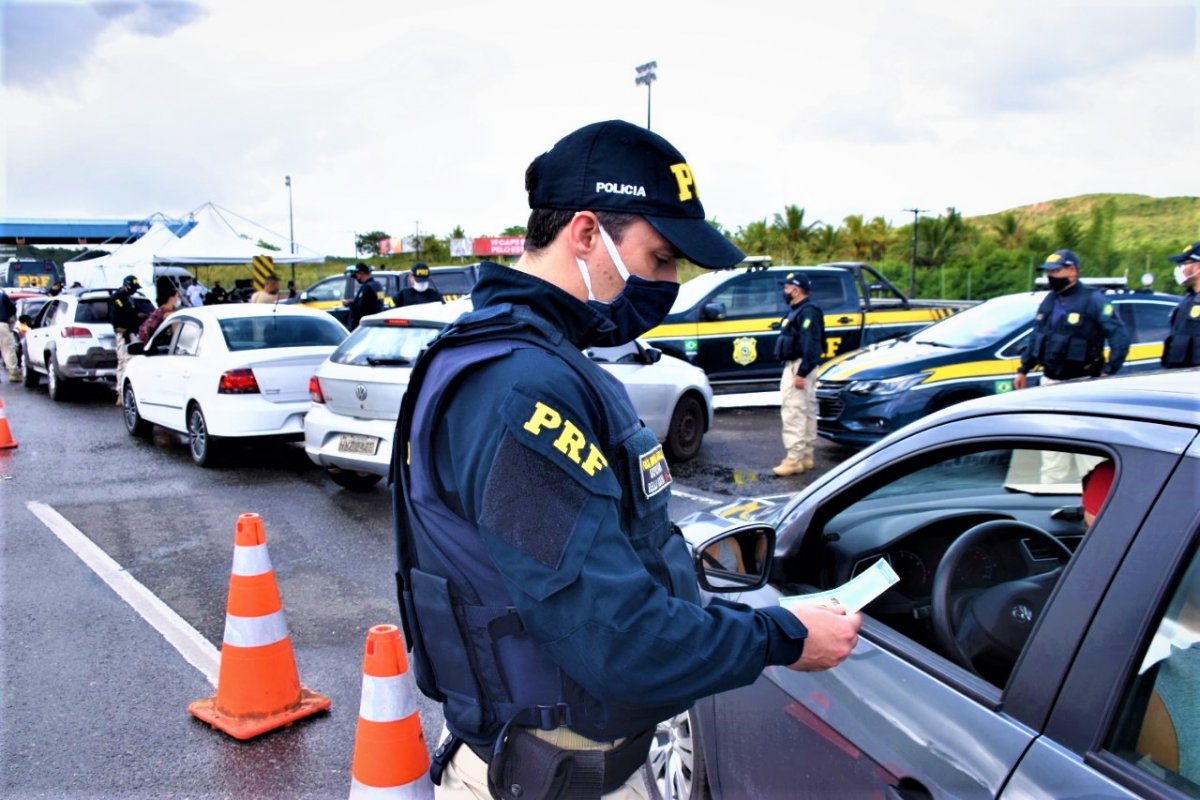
<point x="997" y="620"/>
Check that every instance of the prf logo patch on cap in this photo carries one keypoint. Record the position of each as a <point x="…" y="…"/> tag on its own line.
<point x="656" y="475"/>
<point x="1053" y="258"/>
<point x="686" y="181"/>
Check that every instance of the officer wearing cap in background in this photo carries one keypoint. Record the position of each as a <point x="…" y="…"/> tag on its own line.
<point x="367" y="300"/>
<point x="55" y="289"/>
<point x="420" y="289"/>
<point x="125" y="321"/>
<point x="551" y="605"/>
<point x="8" y="341"/>
<point x="800" y="346"/>
<point x="1182" y="346"/>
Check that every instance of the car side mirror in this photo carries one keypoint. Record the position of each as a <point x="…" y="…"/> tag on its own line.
<point x="136" y="349"/>
<point x="304" y="297"/>
<point x="651" y="355"/>
<point x="713" y="311"/>
<point x="737" y="560"/>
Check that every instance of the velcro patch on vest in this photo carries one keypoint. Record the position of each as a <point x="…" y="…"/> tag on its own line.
<point x="656" y="475"/>
<point x="562" y="436"/>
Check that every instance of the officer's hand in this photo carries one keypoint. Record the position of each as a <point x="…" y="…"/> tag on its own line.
<point x="798" y="381"/>
<point x="1021" y="381"/>
<point x="832" y="634"/>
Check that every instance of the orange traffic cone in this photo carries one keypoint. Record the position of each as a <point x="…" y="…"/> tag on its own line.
<point x="390" y="757"/>
<point x="258" y="688"/>
<point x="7" y="442"/>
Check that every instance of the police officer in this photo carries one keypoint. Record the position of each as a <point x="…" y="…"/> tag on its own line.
<point x="8" y="341"/>
<point x="366" y="299"/>
<point x="125" y="321"/>
<point x="551" y="606"/>
<point x="800" y="345"/>
<point x="1182" y="346"/>
<point x="420" y="290"/>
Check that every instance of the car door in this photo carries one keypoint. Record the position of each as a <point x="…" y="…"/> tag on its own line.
<point x="41" y="335"/>
<point x="152" y="375"/>
<point x="1126" y="723"/>
<point x="741" y="345"/>
<point x="652" y="396"/>
<point x="1148" y="322"/>
<point x="179" y="369"/>
<point x="899" y="718"/>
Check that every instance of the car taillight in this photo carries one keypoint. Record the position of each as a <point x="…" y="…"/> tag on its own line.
<point x="314" y="390"/>
<point x="238" y="381"/>
<point x="71" y="332"/>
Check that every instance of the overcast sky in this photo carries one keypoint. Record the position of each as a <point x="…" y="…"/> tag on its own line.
<point x="393" y="115"/>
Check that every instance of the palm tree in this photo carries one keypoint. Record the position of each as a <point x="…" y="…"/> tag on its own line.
<point x="1010" y="230"/>
<point x="858" y="236"/>
<point x="754" y="239"/>
<point x="827" y="242"/>
<point x="879" y="237"/>
<point x="795" y="232"/>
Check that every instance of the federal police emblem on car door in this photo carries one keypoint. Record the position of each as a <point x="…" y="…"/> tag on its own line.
<point x="745" y="350"/>
<point x="656" y="475"/>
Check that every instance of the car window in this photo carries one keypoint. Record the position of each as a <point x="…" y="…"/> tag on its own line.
<point x="48" y="314"/>
<point x="453" y="282"/>
<point x="188" y="343"/>
<point x="385" y="345"/>
<point x="92" y="310"/>
<point x="983" y="324"/>
<point x="1146" y="322"/>
<point x="278" y="330"/>
<point x="160" y="342"/>
<point x="909" y="514"/>
<point x="828" y="291"/>
<point x="1158" y="728"/>
<point x="753" y="295"/>
<point x="328" y="289"/>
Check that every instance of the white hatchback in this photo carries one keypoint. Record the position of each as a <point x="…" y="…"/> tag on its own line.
<point x="356" y="393"/>
<point x="228" y="372"/>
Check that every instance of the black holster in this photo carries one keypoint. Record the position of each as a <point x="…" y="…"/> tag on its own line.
<point x="523" y="767"/>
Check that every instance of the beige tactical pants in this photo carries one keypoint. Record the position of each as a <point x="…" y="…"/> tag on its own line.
<point x="798" y="407"/>
<point x="8" y="347"/>
<point x="1060" y="467"/>
<point x="465" y="777"/>
<point x="122" y="360"/>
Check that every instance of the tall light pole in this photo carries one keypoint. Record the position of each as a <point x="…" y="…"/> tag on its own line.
<point x="646" y="76"/>
<point x="287" y="181"/>
<point x="912" y="273"/>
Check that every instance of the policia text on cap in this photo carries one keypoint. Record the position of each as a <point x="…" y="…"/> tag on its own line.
<point x="551" y="606"/>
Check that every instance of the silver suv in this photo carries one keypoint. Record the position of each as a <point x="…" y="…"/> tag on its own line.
<point x="71" y="340"/>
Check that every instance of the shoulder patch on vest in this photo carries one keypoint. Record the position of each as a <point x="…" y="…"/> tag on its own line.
<point x="561" y="436"/>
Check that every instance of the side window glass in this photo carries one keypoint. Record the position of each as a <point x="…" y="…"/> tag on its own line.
<point x="188" y="343"/>
<point x="1158" y="729"/>
<point x="1151" y="322"/>
<point x="756" y="294"/>
<point x="828" y="292"/>
<point x="50" y="313"/>
<point x="160" y="342"/>
<point x="327" y="290"/>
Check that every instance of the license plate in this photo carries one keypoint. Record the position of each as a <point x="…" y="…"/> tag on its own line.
<point x="353" y="443"/>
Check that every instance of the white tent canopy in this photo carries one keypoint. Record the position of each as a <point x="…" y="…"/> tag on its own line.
<point x="214" y="241"/>
<point x="135" y="258"/>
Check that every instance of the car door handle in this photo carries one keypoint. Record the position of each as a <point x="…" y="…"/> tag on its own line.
<point x="843" y="320"/>
<point x="908" y="789"/>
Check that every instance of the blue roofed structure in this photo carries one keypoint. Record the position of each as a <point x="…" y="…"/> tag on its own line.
<point x="80" y="231"/>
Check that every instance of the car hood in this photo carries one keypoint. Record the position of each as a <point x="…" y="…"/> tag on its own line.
<point x="363" y="392"/>
<point x="887" y="360"/>
<point x="704" y="525"/>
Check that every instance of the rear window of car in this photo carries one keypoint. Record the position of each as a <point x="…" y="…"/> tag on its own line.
<point x="453" y="282"/>
<point x="96" y="309"/>
<point x="278" y="330"/>
<point x="385" y="345"/>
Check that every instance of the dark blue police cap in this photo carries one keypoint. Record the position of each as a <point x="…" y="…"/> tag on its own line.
<point x="798" y="279"/>
<point x="1060" y="258"/>
<point x="616" y="166"/>
<point x="1190" y="253"/>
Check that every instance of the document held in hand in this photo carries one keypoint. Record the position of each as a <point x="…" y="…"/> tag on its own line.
<point x="852" y="595"/>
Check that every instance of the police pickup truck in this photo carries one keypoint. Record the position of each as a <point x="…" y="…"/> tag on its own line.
<point x="726" y="321"/>
<point x="327" y="294"/>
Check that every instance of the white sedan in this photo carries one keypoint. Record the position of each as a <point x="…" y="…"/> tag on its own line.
<point x="228" y="371"/>
<point x="356" y="393"/>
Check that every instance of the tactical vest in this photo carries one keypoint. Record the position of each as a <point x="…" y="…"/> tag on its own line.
<point x="1073" y="346"/>
<point x="788" y="346"/>
<point x="1182" y="346"/>
<point x="470" y="649"/>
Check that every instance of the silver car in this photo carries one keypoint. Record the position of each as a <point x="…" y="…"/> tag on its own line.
<point x="356" y="393"/>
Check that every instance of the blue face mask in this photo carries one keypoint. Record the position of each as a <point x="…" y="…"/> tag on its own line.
<point x="638" y="307"/>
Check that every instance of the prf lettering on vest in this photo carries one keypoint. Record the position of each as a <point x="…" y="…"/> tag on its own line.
<point x="687" y="184"/>
<point x="570" y="442"/>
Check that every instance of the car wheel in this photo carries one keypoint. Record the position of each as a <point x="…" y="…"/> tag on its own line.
<point x="133" y="420"/>
<point x="56" y="385"/>
<point x="205" y="451"/>
<point x="354" y="481"/>
<point x="676" y="761"/>
<point x="686" y="430"/>
<point x="29" y="376"/>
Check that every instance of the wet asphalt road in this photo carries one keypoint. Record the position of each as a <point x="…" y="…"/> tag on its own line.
<point x="93" y="699"/>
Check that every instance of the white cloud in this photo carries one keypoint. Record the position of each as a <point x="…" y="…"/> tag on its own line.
<point x="389" y="116"/>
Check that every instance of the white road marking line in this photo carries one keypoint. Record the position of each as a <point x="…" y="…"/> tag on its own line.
<point x="195" y="649"/>
<point x="698" y="498"/>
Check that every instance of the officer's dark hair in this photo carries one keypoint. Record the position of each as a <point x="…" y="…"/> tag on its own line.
<point x="545" y="224"/>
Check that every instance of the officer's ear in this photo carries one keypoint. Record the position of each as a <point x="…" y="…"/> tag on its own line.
<point x="583" y="234"/>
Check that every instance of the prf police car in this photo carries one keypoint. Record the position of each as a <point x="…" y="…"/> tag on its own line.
<point x="726" y="321"/>
<point x="866" y="395"/>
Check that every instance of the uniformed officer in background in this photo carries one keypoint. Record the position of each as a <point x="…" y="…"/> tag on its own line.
<point x="366" y="299"/>
<point x="126" y="319"/>
<point x="551" y="605"/>
<point x="1182" y="346"/>
<point x="420" y="289"/>
<point x="800" y="346"/>
<point x="8" y="340"/>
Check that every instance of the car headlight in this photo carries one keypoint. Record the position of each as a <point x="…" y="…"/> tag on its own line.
<point x="887" y="385"/>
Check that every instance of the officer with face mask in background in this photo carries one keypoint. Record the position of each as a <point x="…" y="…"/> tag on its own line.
<point x="420" y="289"/>
<point x="551" y="605"/>
<point x="1182" y="346"/>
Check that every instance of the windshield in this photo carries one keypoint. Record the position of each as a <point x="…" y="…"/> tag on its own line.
<point x="385" y="345"/>
<point x="982" y="325"/>
<point x="278" y="330"/>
